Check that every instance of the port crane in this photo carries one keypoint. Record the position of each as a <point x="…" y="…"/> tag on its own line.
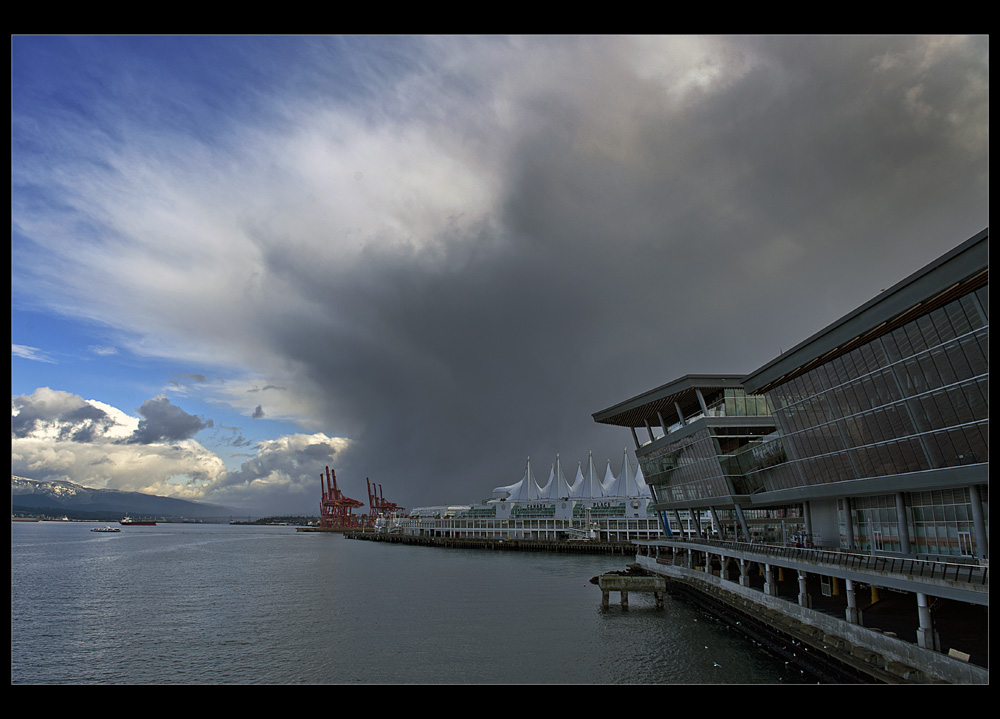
<point x="380" y="507"/>
<point x="336" y="509"/>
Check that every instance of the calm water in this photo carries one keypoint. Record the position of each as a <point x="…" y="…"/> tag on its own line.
<point x="219" y="604"/>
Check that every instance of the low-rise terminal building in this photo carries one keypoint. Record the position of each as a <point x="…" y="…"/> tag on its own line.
<point x="857" y="463"/>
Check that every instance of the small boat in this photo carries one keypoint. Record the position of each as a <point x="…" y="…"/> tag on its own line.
<point x="105" y="528"/>
<point x="130" y="522"/>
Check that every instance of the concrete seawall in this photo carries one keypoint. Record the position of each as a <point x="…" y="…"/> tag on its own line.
<point x="833" y="649"/>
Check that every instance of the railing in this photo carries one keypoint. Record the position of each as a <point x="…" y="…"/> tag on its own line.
<point x="925" y="569"/>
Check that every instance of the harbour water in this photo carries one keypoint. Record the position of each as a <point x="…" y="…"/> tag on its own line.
<point x="221" y="604"/>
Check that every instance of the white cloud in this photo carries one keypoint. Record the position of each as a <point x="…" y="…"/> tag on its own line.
<point x="58" y="435"/>
<point x="31" y="353"/>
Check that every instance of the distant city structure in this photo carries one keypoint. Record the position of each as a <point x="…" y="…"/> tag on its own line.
<point x="600" y="507"/>
<point x="859" y="458"/>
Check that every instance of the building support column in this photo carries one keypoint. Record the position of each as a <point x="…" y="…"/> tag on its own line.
<point x="744" y="573"/>
<point x="804" y="599"/>
<point x="770" y="588"/>
<point x="680" y="524"/>
<point x="650" y="431"/>
<point x="635" y="437"/>
<point x="724" y="564"/>
<point x="978" y="522"/>
<point x="716" y="522"/>
<point x="807" y="516"/>
<point x="902" y="525"/>
<point x="701" y="401"/>
<point x="852" y="617"/>
<point x="925" y="632"/>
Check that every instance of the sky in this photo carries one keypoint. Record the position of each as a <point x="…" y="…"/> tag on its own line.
<point x="421" y="260"/>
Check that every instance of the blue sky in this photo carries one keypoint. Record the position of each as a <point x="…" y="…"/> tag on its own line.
<point x="236" y="260"/>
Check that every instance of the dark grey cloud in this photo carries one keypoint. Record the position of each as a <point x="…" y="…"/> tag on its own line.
<point x="636" y="244"/>
<point x="697" y="207"/>
<point x="164" y="422"/>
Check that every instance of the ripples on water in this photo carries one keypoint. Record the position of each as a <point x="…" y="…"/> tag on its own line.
<point x="219" y="604"/>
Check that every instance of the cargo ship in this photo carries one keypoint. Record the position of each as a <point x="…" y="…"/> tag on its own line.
<point x="130" y="522"/>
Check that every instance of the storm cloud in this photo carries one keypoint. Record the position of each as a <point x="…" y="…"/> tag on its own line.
<point x="449" y="252"/>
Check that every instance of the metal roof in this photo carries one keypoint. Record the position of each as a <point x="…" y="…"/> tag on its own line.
<point x="643" y="408"/>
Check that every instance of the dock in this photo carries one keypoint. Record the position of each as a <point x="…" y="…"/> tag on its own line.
<point x="631" y="581"/>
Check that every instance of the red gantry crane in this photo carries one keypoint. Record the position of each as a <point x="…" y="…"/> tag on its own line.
<point x="336" y="510"/>
<point x="380" y="507"/>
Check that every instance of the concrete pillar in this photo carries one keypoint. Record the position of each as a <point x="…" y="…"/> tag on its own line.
<point x="852" y="616"/>
<point x="925" y="631"/>
<point x="804" y="599"/>
<point x="663" y="423"/>
<point x="770" y="588"/>
<point x="680" y="524"/>
<point x="690" y="558"/>
<point x="624" y="599"/>
<point x="744" y="573"/>
<point x="807" y="515"/>
<point x="724" y="564"/>
<point x="903" y="527"/>
<point x="604" y="598"/>
<point x="635" y="437"/>
<point x="649" y="430"/>
<point x="680" y="415"/>
<point x="978" y="522"/>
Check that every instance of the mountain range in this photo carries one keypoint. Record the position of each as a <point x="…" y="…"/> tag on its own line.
<point x="56" y="497"/>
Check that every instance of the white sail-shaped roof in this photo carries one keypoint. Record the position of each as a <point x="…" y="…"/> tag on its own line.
<point x="590" y="487"/>
<point x="578" y="481"/>
<point x="631" y="485"/>
<point x="586" y="485"/>
<point x="557" y="486"/>
<point x="609" y="484"/>
<point x="640" y="482"/>
<point x="523" y="491"/>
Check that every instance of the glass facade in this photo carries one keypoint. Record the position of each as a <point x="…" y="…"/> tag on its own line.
<point x="939" y="522"/>
<point x="913" y="399"/>
<point x="705" y="463"/>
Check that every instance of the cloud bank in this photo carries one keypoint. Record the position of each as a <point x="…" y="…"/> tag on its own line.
<point x="450" y="252"/>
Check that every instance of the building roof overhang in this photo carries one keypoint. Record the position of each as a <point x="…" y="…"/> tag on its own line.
<point x="647" y="407"/>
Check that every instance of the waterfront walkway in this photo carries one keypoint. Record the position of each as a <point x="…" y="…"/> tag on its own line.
<point x="940" y="607"/>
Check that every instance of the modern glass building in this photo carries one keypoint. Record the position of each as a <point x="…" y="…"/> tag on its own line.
<point x="848" y="477"/>
<point x="873" y="434"/>
<point x="883" y="418"/>
<point x="700" y="428"/>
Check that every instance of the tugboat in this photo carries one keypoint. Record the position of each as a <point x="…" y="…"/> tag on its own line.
<point x="130" y="522"/>
<point x="105" y="528"/>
